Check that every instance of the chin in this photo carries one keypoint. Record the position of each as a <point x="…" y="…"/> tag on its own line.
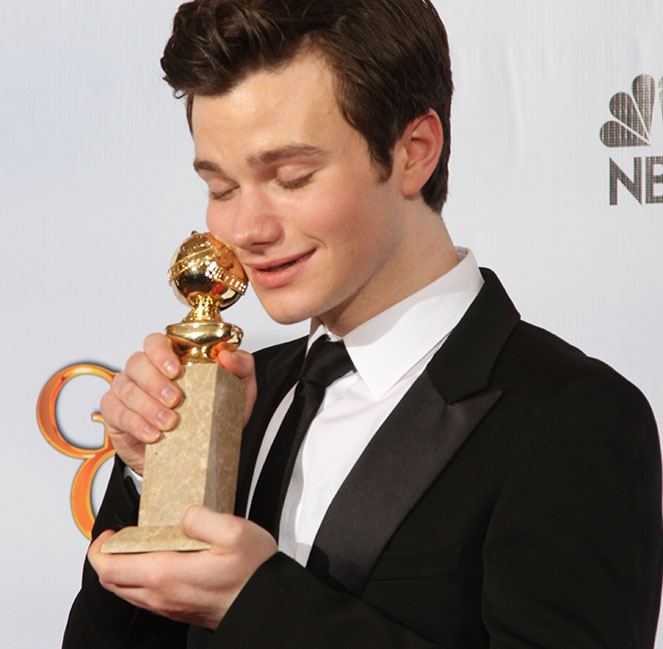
<point x="286" y="316"/>
<point x="291" y="311"/>
<point x="287" y="320"/>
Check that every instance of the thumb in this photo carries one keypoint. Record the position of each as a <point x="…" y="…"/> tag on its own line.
<point x="227" y="534"/>
<point x="204" y="524"/>
<point x="239" y="363"/>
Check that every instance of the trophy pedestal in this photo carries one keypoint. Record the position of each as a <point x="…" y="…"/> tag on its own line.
<point x="193" y="464"/>
<point x="151" y="538"/>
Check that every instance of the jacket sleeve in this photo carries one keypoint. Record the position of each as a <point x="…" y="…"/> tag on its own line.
<point x="573" y="551"/>
<point x="100" y="619"/>
<point x="571" y="556"/>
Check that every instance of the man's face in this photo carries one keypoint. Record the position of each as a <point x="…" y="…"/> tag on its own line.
<point x="294" y="192"/>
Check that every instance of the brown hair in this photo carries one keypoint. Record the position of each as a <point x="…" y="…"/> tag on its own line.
<point x="390" y="59"/>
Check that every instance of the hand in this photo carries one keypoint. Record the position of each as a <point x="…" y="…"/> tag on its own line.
<point x="192" y="587"/>
<point x="140" y="402"/>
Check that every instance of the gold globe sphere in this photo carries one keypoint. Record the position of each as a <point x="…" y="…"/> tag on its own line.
<point x="205" y="275"/>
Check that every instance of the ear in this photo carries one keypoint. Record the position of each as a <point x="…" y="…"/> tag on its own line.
<point x="418" y="151"/>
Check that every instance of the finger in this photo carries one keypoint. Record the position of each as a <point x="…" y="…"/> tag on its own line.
<point x="239" y="363"/>
<point x="149" y="378"/>
<point x="135" y="406"/>
<point x="95" y="546"/>
<point x="120" y="420"/>
<point x="188" y="586"/>
<point x="159" y="349"/>
<point x="129" y="570"/>
<point x="94" y="554"/>
<point x="185" y="589"/>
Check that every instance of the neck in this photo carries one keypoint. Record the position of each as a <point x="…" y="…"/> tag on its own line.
<point x="426" y="253"/>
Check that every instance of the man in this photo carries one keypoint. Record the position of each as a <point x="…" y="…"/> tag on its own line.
<point x="469" y="480"/>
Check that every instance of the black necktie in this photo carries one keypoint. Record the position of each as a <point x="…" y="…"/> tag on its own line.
<point x="325" y="362"/>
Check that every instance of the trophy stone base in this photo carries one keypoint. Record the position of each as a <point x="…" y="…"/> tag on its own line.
<point x="151" y="539"/>
<point x="193" y="464"/>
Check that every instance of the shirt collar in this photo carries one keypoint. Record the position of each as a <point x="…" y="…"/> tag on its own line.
<point x="388" y="345"/>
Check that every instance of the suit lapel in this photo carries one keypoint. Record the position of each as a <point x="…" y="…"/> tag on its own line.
<point x="275" y="377"/>
<point x="408" y="452"/>
<point x="415" y="443"/>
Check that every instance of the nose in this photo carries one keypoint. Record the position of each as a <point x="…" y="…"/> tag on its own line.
<point x="250" y="222"/>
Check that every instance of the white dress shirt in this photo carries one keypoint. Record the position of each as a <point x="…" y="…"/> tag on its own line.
<point x="389" y="353"/>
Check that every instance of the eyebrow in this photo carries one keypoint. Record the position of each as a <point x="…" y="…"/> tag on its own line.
<point x="267" y="157"/>
<point x="284" y="153"/>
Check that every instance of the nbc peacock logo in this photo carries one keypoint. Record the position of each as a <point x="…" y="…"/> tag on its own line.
<point x="636" y="125"/>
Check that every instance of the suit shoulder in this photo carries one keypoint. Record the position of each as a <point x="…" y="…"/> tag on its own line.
<point x="557" y="380"/>
<point x="265" y="355"/>
<point x="535" y="354"/>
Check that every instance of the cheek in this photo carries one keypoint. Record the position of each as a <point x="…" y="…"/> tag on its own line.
<point x="212" y="220"/>
<point x="363" y="225"/>
<point x="218" y="223"/>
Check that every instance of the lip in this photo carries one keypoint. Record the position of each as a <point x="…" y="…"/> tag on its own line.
<point x="263" y="275"/>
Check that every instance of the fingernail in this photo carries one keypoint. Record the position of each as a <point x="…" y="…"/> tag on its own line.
<point x="166" y="417"/>
<point x="152" y="433"/>
<point x="170" y="367"/>
<point x="169" y="396"/>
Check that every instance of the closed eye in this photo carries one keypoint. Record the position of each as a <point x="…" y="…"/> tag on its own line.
<point x="297" y="183"/>
<point x="227" y="194"/>
<point x="221" y="196"/>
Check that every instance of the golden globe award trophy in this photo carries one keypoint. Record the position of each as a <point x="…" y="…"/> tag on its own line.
<point x="196" y="462"/>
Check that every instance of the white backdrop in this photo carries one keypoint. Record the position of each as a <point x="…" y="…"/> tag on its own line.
<point x="96" y="191"/>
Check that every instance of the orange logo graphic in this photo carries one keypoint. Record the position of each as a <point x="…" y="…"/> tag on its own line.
<point x="93" y="458"/>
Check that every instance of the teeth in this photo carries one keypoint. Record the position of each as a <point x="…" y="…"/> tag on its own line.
<point x="281" y="267"/>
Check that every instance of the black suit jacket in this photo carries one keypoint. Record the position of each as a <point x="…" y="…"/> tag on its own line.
<point x="512" y="499"/>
